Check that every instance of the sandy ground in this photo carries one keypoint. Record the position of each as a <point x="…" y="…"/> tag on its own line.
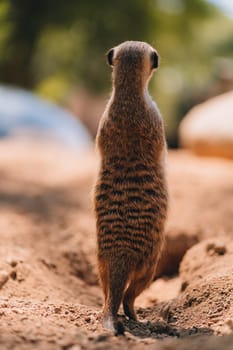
<point x="49" y="293"/>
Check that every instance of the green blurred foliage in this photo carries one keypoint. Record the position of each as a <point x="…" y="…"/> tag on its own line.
<point x="50" y="46"/>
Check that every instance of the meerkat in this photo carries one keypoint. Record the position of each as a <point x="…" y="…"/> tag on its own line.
<point x="131" y="193"/>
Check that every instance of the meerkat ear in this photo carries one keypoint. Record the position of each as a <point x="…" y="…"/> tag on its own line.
<point x="154" y="59"/>
<point x="109" y="56"/>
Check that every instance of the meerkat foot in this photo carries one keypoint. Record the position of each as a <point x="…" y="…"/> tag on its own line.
<point x="114" y="325"/>
<point x="129" y="311"/>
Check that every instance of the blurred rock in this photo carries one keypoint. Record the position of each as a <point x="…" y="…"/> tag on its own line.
<point x="25" y="116"/>
<point x="208" y="128"/>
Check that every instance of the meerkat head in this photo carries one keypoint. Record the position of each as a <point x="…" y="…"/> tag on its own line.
<point x="133" y="61"/>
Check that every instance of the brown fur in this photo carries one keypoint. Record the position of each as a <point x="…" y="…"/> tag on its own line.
<point x="131" y="193"/>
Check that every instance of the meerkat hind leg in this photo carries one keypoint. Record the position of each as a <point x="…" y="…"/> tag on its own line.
<point x="117" y="280"/>
<point x="104" y="277"/>
<point x="109" y="320"/>
<point x="136" y="287"/>
<point x="110" y="317"/>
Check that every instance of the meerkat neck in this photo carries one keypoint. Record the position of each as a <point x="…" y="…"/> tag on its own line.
<point x="129" y="88"/>
<point x="127" y="95"/>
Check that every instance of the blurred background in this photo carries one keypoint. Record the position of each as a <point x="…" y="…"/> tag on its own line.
<point x="56" y="49"/>
<point x="54" y="85"/>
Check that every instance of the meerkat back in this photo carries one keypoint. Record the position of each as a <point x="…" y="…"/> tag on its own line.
<point x="131" y="192"/>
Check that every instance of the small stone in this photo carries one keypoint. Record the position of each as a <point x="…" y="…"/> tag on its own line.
<point x="57" y="310"/>
<point x="13" y="263"/>
<point x="220" y="250"/>
<point x="13" y="275"/>
<point x="88" y="319"/>
<point x="184" y="285"/>
<point x="216" y="248"/>
<point x="3" y="278"/>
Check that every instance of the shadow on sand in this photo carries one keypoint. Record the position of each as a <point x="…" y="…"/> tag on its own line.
<point x="161" y="329"/>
